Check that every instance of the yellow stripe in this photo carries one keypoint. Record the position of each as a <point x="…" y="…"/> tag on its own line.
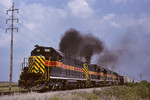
<point x="34" y="71"/>
<point x="30" y="64"/>
<point x="30" y="69"/>
<point x="85" y="71"/>
<point x="41" y="63"/>
<point x="39" y="67"/>
<point x="41" y="59"/>
<point x="36" y="67"/>
<point x="38" y="64"/>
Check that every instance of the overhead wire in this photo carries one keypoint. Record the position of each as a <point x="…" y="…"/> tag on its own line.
<point x="20" y="40"/>
<point x="35" y="34"/>
<point x="41" y="38"/>
<point x="38" y="36"/>
<point x="2" y="27"/>
<point x="29" y="31"/>
<point x="5" y="6"/>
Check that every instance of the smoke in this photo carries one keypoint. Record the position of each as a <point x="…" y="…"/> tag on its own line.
<point x="71" y="42"/>
<point x="135" y="51"/>
<point x="90" y="46"/>
<point x="108" y="58"/>
<point x="80" y="45"/>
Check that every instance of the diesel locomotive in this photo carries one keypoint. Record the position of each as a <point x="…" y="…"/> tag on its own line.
<point x="48" y="68"/>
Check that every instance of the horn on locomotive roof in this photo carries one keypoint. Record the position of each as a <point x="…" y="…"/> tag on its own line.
<point x="36" y="46"/>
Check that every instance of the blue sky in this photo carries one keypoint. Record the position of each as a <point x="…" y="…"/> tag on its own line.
<point x="121" y="24"/>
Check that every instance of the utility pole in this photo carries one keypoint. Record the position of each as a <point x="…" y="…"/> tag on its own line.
<point x="140" y="75"/>
<point x="12" y="29"/>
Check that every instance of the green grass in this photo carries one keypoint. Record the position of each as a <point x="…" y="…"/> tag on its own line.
<point x="7" y="84"/>
<point x="4" y="87"/>
<point x="129" y="91"/>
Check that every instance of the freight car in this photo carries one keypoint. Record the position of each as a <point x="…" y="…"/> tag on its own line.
<point x="48" y="68"/>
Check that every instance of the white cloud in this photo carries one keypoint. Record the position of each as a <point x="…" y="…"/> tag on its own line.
<point x="30" y="26"/>
<point x="113" y="23"/>
<point x="119" y="1"/>
<point x="108" y="21"/>
<point x="144" y="21"/>
<point x="6" y="3"/>
<point x="80" y="8"/>
<point x="4" y="40"/>
<point x="108" y="17"/>
<point x="42" y="21"/>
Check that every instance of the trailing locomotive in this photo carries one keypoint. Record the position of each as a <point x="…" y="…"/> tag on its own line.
<point x="48" y="68"/>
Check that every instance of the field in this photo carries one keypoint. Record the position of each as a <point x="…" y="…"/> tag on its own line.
<point x="4" y="87"/>
<point x="129" y="91"/>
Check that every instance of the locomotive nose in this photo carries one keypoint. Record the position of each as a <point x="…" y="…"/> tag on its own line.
<point x="36" y="64"/>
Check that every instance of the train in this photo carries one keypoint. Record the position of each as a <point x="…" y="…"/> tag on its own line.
<point x="48" y="68"/>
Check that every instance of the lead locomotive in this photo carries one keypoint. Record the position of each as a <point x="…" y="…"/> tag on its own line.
<point x="48" y="68"/>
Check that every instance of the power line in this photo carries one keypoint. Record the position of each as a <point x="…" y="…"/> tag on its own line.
<point x="36" y="35"/>
<point x="12" y="9"/>
<point x="3" y="6"/>
<point x="2" y="27"/>
<point x="2" y="17"/>
<point x="2" y="12"/>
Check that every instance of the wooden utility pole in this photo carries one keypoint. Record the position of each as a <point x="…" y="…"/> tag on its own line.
<point x="12" y="29"/>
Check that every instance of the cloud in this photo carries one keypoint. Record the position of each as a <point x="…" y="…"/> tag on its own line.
<point x="30" y="26"/>
<point x="45" y="25"/>
<point x="4" y="40"/>
<point x="6" y="3"/>
<point x="42" y="22"/>
<point x="80" y="8"/>
<point x="110" y="20"/>
<point x="119" y="1"/>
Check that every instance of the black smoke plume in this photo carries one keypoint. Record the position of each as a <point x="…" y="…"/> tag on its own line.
<point x="90" y="46"/>
<point x="71" y="42"/>
<point x="79" y="45"/>
<point x="108" y="58"/>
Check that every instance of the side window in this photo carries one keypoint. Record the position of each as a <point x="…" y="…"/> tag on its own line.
<point x="54" y="56"/>
<point x="59" y="58"/>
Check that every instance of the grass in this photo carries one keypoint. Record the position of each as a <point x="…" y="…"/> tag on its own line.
<point x="87" y="96"/>
<point x="129" y="91"/>
<point x="4" y="87"/>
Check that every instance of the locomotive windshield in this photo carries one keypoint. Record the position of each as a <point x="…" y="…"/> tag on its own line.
<point x="41" y="51"/>
<point x="47" y="52"/>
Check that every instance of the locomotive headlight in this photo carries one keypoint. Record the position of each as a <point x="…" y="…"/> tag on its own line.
<point x="38" y="71"/>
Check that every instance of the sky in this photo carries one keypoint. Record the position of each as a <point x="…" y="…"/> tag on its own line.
<point x="123" y="26"/>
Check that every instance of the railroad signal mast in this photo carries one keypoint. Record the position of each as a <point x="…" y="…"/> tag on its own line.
<point x="12" y="10"/>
